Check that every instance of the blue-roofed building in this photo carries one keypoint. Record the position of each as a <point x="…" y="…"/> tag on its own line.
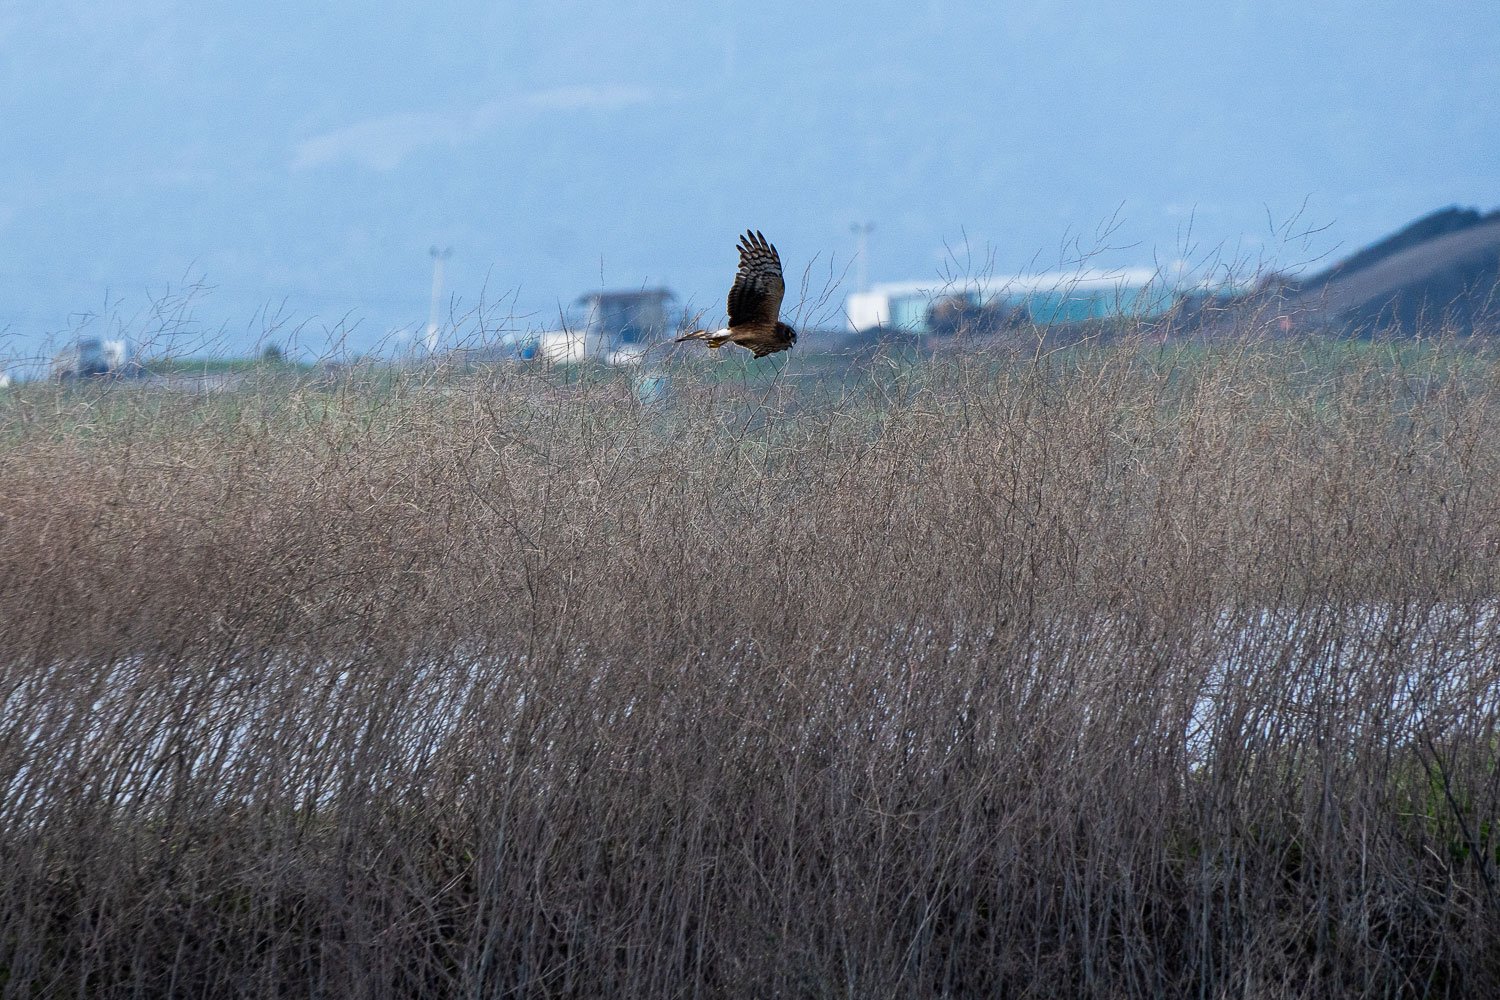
<point x="1043" y="299"/>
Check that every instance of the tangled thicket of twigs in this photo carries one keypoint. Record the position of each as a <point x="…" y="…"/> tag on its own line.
<point x="1115" y="672"/>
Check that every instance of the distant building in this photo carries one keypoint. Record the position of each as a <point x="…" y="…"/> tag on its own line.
<point x="91" y="356"/>
<point x="923" y="307"/>
<point x="633" y="317"/>
<point x="612" y="327"/>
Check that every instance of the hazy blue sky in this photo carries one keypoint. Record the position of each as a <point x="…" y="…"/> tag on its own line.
<point x="313" y="157"/>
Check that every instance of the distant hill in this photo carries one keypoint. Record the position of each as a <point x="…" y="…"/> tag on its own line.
<point x="1442" y="269"/>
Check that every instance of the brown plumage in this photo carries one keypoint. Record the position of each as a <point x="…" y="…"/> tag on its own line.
<point x="754" y="303"/>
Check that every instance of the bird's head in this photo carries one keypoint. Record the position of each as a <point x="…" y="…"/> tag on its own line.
<point x="788" y="331"/>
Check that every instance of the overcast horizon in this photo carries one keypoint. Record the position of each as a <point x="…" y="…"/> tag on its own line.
<point x="308" y="161"/>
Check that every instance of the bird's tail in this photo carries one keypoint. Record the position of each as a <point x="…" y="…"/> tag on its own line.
<point x="714" y="338"/>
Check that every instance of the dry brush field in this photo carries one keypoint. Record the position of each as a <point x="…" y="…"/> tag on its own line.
<point x="1118" y="671"/>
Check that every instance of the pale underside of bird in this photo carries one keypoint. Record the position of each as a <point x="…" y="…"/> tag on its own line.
<point x="754" y="303"/>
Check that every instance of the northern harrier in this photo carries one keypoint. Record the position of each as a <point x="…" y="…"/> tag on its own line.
<point x="754" y="303"/>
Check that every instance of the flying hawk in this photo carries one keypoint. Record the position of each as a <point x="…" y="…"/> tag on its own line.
<point x="754" y="303"/>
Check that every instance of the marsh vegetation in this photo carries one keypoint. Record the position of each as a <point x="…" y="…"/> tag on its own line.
<point x="1115" y="671"/>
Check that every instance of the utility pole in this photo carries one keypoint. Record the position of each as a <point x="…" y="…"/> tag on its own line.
<point x="862" y="255"/>
<point x="439" y="263"/>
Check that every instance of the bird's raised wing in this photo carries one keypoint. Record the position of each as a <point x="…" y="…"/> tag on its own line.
<point x="755" y="299"/>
